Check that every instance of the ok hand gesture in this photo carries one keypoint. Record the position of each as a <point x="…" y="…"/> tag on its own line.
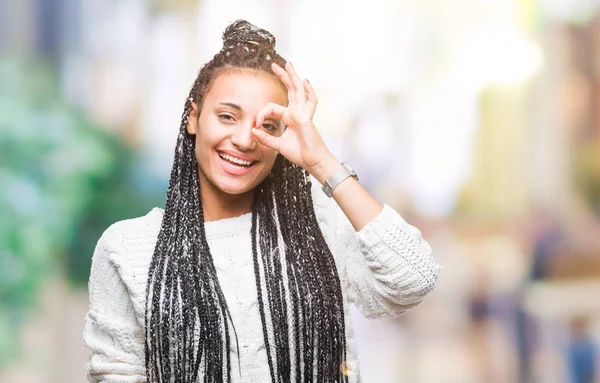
<point x="300" y="143"/>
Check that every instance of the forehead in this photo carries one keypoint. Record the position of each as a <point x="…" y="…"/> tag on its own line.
<point x="247" y="88"/>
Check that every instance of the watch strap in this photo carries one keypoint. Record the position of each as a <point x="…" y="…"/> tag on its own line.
<point x="338" y="176"/>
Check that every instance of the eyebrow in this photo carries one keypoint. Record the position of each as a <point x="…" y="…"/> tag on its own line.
<point x="232" y="105"/>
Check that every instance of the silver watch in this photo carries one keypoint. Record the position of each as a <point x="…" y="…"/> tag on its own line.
<point x="340" y="175"/>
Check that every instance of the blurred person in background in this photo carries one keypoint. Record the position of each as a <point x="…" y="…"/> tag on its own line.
<point x="581" y="352"/>
<point x="247" y="273"/>
<point x="547" y="235"/>
<point x="564" y="261"/>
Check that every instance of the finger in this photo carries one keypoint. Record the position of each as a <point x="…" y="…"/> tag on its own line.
<point x="286" y="80"/>
<point x="266" y="139"/>
<point x="283" y="76"/>
<point x="311" y="97"/>
<point x="300" y="93"/>
<point x="270" y="110"/>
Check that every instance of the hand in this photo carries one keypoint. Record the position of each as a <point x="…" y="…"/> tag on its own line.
<point x="300" y="143"/>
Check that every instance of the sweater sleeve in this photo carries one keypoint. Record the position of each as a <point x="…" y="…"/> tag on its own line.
<point x="386" y="268"/>
<point x="111" y="331"/>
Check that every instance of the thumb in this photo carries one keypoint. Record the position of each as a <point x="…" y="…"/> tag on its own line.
<point x="266" y="139"/>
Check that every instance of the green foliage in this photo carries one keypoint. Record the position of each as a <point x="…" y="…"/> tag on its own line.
<point x="125" y="192"/>
<point x="63" y="182"/>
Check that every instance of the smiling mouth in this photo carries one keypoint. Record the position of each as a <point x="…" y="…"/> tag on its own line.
<point x="236" y="161"/>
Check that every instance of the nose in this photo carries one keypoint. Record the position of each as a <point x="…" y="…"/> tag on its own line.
<point x="243" y="138"/>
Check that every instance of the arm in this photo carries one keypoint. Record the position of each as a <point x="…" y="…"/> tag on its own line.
<point x="358" y="205"/>
<point x="111" y="332"/>
<point x="386" y="267"/>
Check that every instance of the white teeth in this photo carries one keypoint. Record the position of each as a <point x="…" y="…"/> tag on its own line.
<point x="235" y="160"/>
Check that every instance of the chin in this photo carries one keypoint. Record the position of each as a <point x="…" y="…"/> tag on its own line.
<point x="235" y="187"/>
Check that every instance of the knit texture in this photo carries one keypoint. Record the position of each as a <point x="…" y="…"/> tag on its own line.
<point x="385" y="269"/>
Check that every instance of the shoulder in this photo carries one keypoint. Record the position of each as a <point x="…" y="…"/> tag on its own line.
<point x="128" y="245"/>
<point x="128" y="232"/>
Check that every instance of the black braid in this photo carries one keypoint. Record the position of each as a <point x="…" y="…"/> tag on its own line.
<point x="187" y="318"/>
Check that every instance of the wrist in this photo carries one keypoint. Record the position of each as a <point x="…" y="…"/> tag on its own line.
<point x="325" y="168"/>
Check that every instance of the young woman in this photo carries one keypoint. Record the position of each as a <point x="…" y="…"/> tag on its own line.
<point x="247" y="273"/>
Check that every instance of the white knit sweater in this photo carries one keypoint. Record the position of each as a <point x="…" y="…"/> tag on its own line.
<point x="385" y="269"/>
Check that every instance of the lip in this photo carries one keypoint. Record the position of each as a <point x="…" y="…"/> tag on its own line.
<point x="235" y="170"/>
<point x="240" y="156"/>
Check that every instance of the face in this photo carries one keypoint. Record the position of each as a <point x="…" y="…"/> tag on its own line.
<point x="230" y="160"/>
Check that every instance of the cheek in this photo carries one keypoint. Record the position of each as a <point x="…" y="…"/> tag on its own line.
<point x="200" y="149"/>
<point x="270" y="156"/>
<point x="204" y="142"/>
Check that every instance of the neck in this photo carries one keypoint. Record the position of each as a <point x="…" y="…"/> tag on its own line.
<point x="217" y="205"/>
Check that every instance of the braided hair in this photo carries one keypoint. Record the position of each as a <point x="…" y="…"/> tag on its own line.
<point x="188" y="324"/>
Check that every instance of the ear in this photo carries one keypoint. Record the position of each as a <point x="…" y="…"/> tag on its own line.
<point x="192" y="124"/>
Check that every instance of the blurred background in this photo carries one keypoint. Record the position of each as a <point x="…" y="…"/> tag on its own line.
<point x="479" y="120"/>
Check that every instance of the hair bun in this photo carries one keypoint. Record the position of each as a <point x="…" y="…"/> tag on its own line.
<point x="243" y="32"/>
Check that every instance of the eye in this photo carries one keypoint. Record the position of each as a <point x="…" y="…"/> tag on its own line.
<point x="226" y="117"/>
<point x="269" y="127"/>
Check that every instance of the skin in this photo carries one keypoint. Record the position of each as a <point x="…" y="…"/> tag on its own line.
<point x="264" y="105"/>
